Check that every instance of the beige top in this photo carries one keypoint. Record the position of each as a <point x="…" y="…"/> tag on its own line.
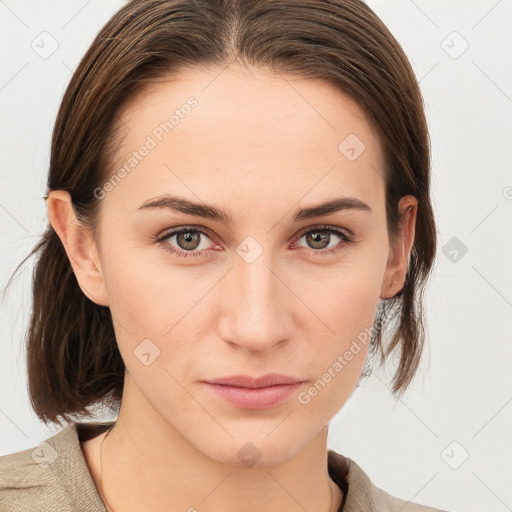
<point x="54" y="477"/>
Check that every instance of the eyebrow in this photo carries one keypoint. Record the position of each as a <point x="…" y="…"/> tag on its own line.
<point x="179" y="204"/>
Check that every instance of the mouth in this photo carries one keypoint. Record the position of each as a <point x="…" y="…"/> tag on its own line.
<point x="246" y="392"/>
<point x="254" y="398"/>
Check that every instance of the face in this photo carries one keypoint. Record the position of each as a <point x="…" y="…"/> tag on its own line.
<point x="246" y="284"/>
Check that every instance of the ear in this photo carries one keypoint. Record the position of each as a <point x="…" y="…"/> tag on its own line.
<point x="79" y="245"/>
<point x="399" y="257"/>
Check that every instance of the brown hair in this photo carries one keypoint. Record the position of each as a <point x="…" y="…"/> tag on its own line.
<point x="72" y="354"/>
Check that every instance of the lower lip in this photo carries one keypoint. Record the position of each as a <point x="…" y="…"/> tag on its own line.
<point x="254" y="398"/>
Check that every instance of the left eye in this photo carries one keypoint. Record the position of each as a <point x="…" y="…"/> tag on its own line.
<point x="319" y="238"/>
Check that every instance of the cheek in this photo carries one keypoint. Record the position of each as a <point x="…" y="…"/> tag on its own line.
<point x="343" y="323"/>
<point x="154" y="313"/>
<point x="147" y="295"/>
<point x="337" y="372"/>
<point x="343" y="300"/>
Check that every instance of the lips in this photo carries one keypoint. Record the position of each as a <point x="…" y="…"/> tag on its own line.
<point x="245" y="392"/>
<point x="245" y="381"/>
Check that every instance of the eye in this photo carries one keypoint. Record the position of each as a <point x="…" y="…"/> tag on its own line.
<point x="319" y="239"/>
<point x="188" y="240"/>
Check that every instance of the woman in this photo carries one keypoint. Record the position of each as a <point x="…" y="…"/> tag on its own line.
<point x="282" y="148"/>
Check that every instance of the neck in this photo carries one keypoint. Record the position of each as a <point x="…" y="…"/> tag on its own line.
<point x="148" y="466"/>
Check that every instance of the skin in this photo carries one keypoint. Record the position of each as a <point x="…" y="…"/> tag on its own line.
<point x="260" y="146"/>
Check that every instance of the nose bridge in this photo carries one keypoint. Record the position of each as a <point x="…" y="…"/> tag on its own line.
<point x="255" y="315"/>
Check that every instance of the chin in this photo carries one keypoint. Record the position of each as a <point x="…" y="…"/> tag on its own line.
<point x="246" y="451"/>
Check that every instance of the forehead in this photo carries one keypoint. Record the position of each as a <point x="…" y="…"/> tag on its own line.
<point x="220" y="129"/>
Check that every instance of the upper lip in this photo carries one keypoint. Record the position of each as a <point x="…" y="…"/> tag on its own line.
<point x="245" y="381"/>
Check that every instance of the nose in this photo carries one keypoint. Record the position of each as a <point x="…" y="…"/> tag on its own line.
<point x="256" y="305"/>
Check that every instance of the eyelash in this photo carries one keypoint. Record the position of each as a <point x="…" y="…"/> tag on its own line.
<point x="346" y="237"/>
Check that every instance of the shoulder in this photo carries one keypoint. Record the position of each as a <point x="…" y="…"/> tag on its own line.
<point x="27" y="480"/>
<point x="384" y="502"/>
<point x="362" y="494"/>
<point x="52" y="476"/>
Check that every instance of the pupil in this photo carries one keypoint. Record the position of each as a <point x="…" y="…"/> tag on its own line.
<point x="187" y="239"/>
<point x="319" y="238"/>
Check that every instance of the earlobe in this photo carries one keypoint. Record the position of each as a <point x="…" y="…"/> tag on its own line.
<point x="79" y="245"/>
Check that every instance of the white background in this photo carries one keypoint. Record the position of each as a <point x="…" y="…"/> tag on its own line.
<point x="463" y="392"/>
